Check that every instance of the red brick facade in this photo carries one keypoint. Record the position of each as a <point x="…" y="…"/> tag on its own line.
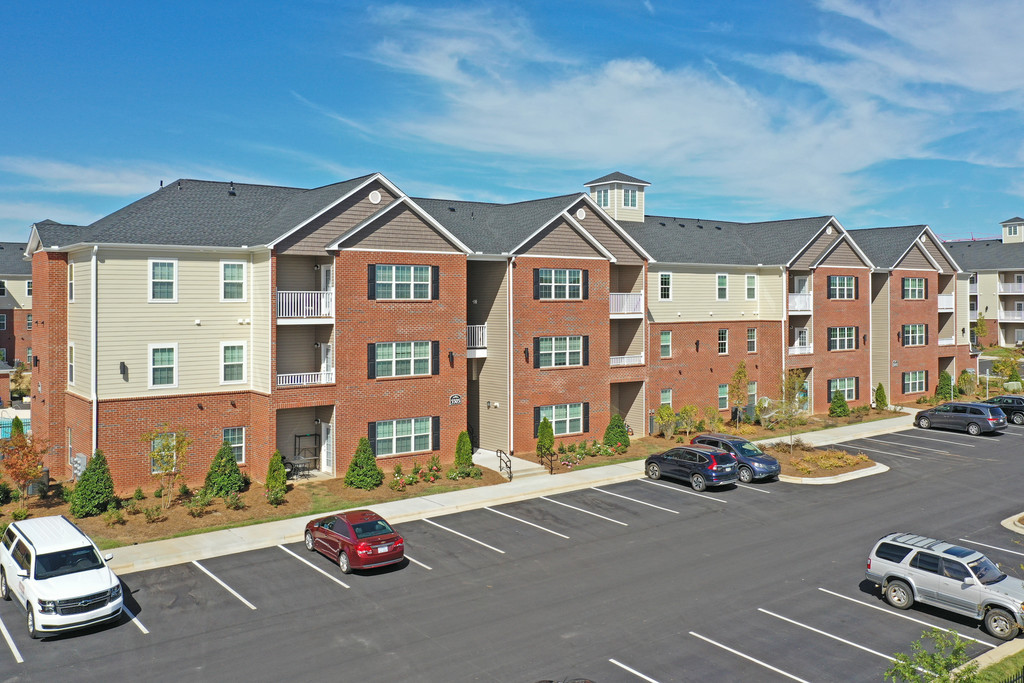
<point x="49" y="374"/>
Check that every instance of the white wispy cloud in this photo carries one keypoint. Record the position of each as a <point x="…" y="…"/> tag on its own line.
<point x="20" y="215"/>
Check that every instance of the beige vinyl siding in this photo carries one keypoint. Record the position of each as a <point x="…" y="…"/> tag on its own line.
<point x="988" y="298"/>
<point x="627" y="337"/>
<point x="295" y="349"/>
<point x="128" y="323"/>
<point x="296" y="421"/>
<point x="15" y="296"/>
<point x="626" y="279"/>
<point x="962" y="303"/>
<point x="936" y="254"/>
<point x="259" y="345"/>
<point x="313" y="238"/>
<point x="814" y="250"/>
<point x="615" y="209"/>
<point x="880" y="333"/>
<point x="915" y="260"/>
<point x="694" y="294"/>
<point x="298" y="273"/>
<point x="79" y="324"/>
<point x="560" y="239"/>
<point x="609" y="239"/>
<point x="627" y="400"/>
<point x="399" y="230"/>
<point x="843" y="256"/>
<point x="488" y="286"/>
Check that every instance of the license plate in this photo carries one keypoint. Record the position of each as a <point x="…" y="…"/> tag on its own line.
<point x="382" y="549"/>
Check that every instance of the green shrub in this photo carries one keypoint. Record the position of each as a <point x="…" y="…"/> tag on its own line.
<point x="184" y="490"/>
<point x="397" y="484"/>
<point x="94" y="491"/>
<point x="839" y="407"/>
<point x="17" y="427"/>
<point x="67" y="491"/>
<point x="545" y="438"/>
<point x="19" y="514"/>
<point x="363" y="472"/>
<point x="113" y="515"/>
<point x="132" y="507"/>
<point x="197" y="504"/>
<point x="463" y="451"/>
<point x="881" y="400"/>
<point x="616" y="433"/>
<point x="5" y="493"/>
<point x="159" y="493"/>
<point x="153" y="514"/>
<point x="223" y="478"/>
<point x="233" y="501"/>
<point x="966" y="382"/>
<point x="277" y="480"/>
<point x="944" y="387"/>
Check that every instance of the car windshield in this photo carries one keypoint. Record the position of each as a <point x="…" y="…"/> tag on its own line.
<point x="67" y="562"/>
<point x="747" y="448"/>
<point x="986" y="571"/>
<point x="374" y="528"/>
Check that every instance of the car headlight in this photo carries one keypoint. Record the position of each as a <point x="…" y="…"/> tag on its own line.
<point x="115" y="592"/>
<point x="47" y="607"/>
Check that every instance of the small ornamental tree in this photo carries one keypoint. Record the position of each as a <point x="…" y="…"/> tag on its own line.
<point x="688" y="418"/>
<point x="713" y="420"/>
<point x="17" y="427"/>
<point x="966" y="383"/>
<point x="946" y="660"/>
<point x="838" y="407"/>
<point x="277" y="480"/>
<point x="23" y="460"/>
<point x="21" y="381"/>
<point x="615" y="434"/>
<point x="463" y="452"/>
<point x="791" y="403"/>
<point x="363" y="472"/>
<point x="944" y="387"/>
<point x="223" y="478"/>
<point x="881" y="400"/>
<point x="1014" y="375"/>
<point x="168" y="456"/>
<point x="980" y="330"/>
<point x="545" y="438"/>
<point x="666" y="419"/>
<point x="738" y="393"/>
<point x="94" y="491"/>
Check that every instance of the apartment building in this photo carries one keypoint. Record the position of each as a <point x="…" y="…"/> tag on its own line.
<point x="996" y="268"/>
<point x="920" y="325"/>
<point x="15" y="304"/>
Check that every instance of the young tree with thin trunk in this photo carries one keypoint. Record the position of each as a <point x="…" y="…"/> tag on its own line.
<point x="738" y="390"/>
<point x="169" y="457"/>
<point x="789" y="407"/>
<point x="23" y="460"/>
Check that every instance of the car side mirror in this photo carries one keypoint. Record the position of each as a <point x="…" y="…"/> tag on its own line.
<point x="108" y="557"/>
<point x="23" y="573"/>
<point x="968" y="580"/>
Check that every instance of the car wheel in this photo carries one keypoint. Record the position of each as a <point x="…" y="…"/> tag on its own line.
<point x="698" y="482"/>
<point x="973" y="429"/>
<point x="5" y="592"/>
<point x="343" y="563"/>
<point x="30" y="622"/>
<point x="746" y="475"/>
<point x="924" y="423"/>
<point x="1018" y="418"/>
<point x="309" y="541"/>
<point x="899" y="595"/>
<point x="1000" y="624"/>
<point x="653" y="471"/>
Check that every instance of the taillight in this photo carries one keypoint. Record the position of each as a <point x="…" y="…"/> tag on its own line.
<point x="364" y="549"/>
<point x="399" y="543"/>
<point x="869" y="563"/>
<point x="714" y="463"/>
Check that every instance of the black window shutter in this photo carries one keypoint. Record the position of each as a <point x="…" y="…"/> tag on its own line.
<point x="536" y="352"/>
<point x="831" y="340"/>
<point x="926" y="387"/>
<point x="926" y="335"/>
<point x="536" y="419"/>
<point x="586" y="417"/>
<point x="586" y="349"/>
<point x="371" y="281"/>
<point x="903" y="288"/>
<point x="856" y="388"/>
<point x="856" y="337"/>
<point x="435" y="358"/>
<point x="536" y="283"/>
<point x="828" y="287"/>
<point x="435" y="433"/>
<point x="371" y="434"/>
<point x="904" y="335"/>
<point x="903" y="381"/>
<point x="926" y="288"/>
<point x="828" y="392"/>
<point x="435" y="281"/>
<point x="856" y="287"/>
<point x="586" y="284"/>
<point x="371" y="361"/>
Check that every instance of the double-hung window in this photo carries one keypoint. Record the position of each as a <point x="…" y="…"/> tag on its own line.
<point x="722" y="287"/>
<point x="28" y="288"/>
<point x="3" y="288"/>
<point x="723" y="396"/>
<point x="913" y="288"/>
<point x="751" y="393"/>
<point x="163" y="280"/>
<point x="629" y="198"/>
<point x="232" y="279"/>
<point x="28" y="321"/>
<point x="664" y="286"/>
<point x="232" y="362"/>
<point x="666" y="397"/>
<point x="403" y="282"/>
<point x="751" y="340"/>
<point x="71" y="362"/>
<point x="410" y="435"/>
<point x="846" y="385"/>
<point x="556" y="352"/>
<point x="666" y="343"/>
<point x="163" y="366"/>
<point x="751" y="287"/>
<point x="915" y="335"/>
<point x="71" y="281"/>
<point x="842" y="338"/>
<point x="3" y="321"/>
<point x="402" y="359"/>
<point x="235" y="437"/>
<point x="915" y="381"/>
<point x="560" y="283"/>
<point x="565" y="419"/>
<point x="842" y="287"/>
<point x="163" y="457"/>
<point x="601" y="196"/>
<point x="723" y="342"/>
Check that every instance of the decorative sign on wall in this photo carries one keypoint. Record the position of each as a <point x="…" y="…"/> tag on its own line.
<point x="455" y="399"/>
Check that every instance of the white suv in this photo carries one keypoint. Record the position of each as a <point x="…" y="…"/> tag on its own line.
<point x="909" y="567"/>
<point x="55" y="572"/>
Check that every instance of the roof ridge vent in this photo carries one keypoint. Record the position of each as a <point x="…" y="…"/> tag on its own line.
<point x="231" y="190"/>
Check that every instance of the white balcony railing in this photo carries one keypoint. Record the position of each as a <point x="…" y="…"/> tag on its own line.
<point x="945" y="302"/>
<point x="947" y="341"/>
<point x="626" y="304"/>
<point x="801" y="350"/>
<point x="1011" y="316"/>
<point x="476" y="336"/>
<point x="802" y="303"/>
<point x="972" y="288"/>
<point x="973" y="315"/>
<point x="305" y="304"/>
<point x="298" y="379"/>
<point x="1011" y="287"/>
<point x="634" y="359"/>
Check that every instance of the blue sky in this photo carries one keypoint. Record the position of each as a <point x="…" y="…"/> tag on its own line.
<point x="880" y="113"/>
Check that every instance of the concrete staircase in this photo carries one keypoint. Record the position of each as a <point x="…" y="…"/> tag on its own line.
<point x="520" y="468"/>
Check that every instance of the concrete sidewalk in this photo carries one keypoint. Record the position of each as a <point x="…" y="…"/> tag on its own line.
<point x="527" y="483"/>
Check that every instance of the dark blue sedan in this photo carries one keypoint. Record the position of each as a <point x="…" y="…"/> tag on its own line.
<point x="753" y="462"/>
<point x="702" y="466"/>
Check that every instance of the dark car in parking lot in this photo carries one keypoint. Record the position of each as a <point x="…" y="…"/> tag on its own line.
<point x="356" y="539"/>
<point x="702" y="466"/>
<point x="974" y="418"/>
<point x="753" y="463"/>
<point x="1012" y="405"/>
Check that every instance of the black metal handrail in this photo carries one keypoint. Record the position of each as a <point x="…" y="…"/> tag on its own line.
<point x="548" y="460"/>
<point x="504" y="464"/>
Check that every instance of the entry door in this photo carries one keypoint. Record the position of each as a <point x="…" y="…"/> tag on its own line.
<point x="802" y="337"/>
<point x="805" y="395"/>
<point x="327" y="448"/>
<point x="326" y="278"/>
<point x="799" y="284"/>
<point x="327" y="362"/>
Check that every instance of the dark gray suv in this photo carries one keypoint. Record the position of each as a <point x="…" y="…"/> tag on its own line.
<point x="974" y="418"/>
<point x="1012" y="405"/>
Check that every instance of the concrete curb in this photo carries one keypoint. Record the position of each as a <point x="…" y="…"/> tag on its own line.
<point x="998" y="653"/>
<point x="1012" y="524"/>
<point x="878" y="468"/>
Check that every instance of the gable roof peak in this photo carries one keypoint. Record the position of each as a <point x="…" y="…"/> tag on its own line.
<point x="617" y="177"/>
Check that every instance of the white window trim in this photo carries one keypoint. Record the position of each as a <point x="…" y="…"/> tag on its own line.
<point x="28" y="321"/>
<point x="223" y="345"/>
<point x="3" y="321"/>
<point x="834" y="342"/>
<point x="152" y="447"/>
<point x="568" y="419"/>
<point x="907" y="289"/>
<point x="751" y="385"/>
<point x="567" y="285"/>
<point x="849" y="389"/>
<point x="149" y="366"/>
<point x="723" y="396"/>
<point x="412" y="439"/>
<point x="245" y="277"/>
<point x="661" y="343"/>
<point x="552" y="353"/>
<point x="726" y="276"/>
<point x="746" y="286"/>
<point x="71" y="363"/>
<point x="149" y="279"/>
<point x="661" y="298"/>
<point x="908" y="383"/>
<point x="607" y="199"/>
<point x="919" y="339"/>
<point x="28" y="288"/>
<point x="749" y="330"/>
<point x="412" y="283"/>
<point x="71" y="282"/>
<point x="412" y="360"/>
<point x="636" y="198"/>
<point x="719" y="341"/>
<point x="669" y="401"/>
<point x="242" y="461"/>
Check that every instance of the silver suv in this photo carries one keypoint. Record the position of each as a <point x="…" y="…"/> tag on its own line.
<point x="909" y="567"/>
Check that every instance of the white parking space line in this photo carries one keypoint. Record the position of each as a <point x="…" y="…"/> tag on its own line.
<point x="418" y="562"/>
<point x="875" y="450"/>
<point x="928" y="438"/>
<point x="135" y="620"/>
<point x="10" y="644"/>
<point x="679" y="490"/>
<point x="827" y="635"/>
<point x="632" y="671"/>
<point x="468" y="538"/>
<point x="747" y="657"/>
<point x="535" y="526"/>
<point x="944" y="451"/>
<point x="310" y="564"/>
<point x="994" y="547"/>
<point x="652" y="505"/>
<point x="226" y="587"/>
<point x="897" y="614"/>
<point x="573" y="507"/>
<point x="753" y="488"/>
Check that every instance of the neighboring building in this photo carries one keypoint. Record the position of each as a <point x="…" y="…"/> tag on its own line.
<point x="919" y="311"/>
<point x="997" y="282"/>
<point x="15" y="304"/>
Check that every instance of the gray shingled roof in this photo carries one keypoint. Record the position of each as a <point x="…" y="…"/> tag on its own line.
<point x="692" y="240"/>
<point x="987" y="254"/>
<point x="1015" y="219"/>
<point x="12" y="261"/>
<point x="495" y="228"/>
<point x="616" y="177"/>
<point x="885" y="246"/>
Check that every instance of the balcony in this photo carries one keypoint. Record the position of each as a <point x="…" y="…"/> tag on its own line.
<point x="801" y="349"/>
<point x="1011" y="316"/>
<point x="947" y="341"/>
<point x="628" y="305"/>
<point x="296" y="308"/>
<point x="476" y="341"/>
<point x="972" y="288"/>
<point x="302" y="379"/>
<point x="801" y="303"/>
<point x="945" y="303"/>
<point x="634" y="359"/>
<point x="1011" y="287"/>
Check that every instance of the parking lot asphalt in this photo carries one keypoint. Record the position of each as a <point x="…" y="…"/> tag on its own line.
<point x="628" y="580"/>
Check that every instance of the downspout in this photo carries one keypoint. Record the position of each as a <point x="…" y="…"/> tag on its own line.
<point x="511" y="358"/>
<point x="785" y="319"/>
<point x="94" y="334"/>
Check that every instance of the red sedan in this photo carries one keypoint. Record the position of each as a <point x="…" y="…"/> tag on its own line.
<point x="357" y="539"/>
